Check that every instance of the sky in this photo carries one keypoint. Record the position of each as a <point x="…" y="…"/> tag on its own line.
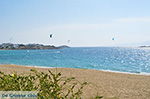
<point x="82" y="22"/>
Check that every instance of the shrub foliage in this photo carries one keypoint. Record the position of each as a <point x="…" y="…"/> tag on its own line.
<point x="49" y="85"/>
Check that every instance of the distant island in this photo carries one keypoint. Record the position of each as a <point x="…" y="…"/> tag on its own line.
<point x="10" y="46"/>
<point x="144" y="46"/>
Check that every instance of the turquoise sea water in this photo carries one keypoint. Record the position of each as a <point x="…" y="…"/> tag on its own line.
<point x="100" y="58"/>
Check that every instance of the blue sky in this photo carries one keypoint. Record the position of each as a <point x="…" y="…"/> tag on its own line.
<point x="83" y="22"/>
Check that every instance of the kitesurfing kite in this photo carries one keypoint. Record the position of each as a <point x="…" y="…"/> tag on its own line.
<point x="113" y="38"/>
<point x="51" y="35"/>
<point x="68" y="41"/>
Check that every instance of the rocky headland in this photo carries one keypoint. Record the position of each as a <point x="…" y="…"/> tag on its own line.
<point x="144" y="46"/>
<point x="10" y="46"/>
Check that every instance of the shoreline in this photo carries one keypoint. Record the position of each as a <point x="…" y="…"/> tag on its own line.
<point x="107" y="84"/>
<point x="45" y="67"/>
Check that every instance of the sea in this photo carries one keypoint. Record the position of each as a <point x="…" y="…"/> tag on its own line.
<point x="116" y="59"/>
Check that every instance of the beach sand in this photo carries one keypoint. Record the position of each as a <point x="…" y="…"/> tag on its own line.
<point x="107" y="84"/>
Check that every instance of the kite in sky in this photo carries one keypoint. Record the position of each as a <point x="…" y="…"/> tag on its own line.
<point x="51" y="35"/>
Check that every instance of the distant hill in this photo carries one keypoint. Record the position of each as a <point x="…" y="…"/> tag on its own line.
<point x="10" y="46"/>
<point x="145" y="44"/>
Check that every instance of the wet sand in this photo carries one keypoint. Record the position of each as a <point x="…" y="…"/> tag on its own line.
<point x="107" y="84"/>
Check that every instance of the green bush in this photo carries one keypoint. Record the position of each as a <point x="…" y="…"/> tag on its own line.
<point x="49" y="85"/>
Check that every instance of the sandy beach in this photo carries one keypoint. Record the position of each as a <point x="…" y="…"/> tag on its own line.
<point x="107" y="84"/>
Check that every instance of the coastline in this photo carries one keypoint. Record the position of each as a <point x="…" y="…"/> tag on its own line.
<point x="45" y="67"/>
<point x="106" y="83"/>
